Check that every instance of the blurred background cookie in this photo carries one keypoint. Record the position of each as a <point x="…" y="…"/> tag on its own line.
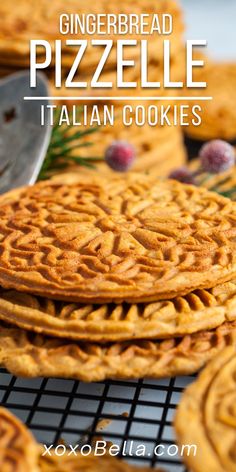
<point x="218" y="114"/>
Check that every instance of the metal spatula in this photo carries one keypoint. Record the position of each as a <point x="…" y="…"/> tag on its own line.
<point x="23" y="141"/>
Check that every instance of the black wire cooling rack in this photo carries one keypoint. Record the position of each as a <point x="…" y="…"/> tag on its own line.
<point x="126" y="413"/>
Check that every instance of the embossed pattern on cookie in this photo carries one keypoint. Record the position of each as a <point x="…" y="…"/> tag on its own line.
<point x="133" y="238"/>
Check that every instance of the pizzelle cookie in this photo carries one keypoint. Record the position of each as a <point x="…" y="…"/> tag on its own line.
<point x="206" y="416"/>
<point x="32" y="355"/>
<point x="196" y="311"/>
<point x="18" y="449"/>
<point x="132" y="238"/>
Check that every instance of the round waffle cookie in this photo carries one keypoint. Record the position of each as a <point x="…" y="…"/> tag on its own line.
<point x="206" y="416"/>
<point x="18" y="449"/>
<point x="132" y="238"/>
<point x="196" y="311"/>
<point x="31" y="355"/>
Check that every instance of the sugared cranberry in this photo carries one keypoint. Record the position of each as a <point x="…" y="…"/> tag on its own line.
<point x="217" y="156"/>
<point x="120" y="156"/>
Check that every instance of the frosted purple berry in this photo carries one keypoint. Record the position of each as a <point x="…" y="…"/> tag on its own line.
<point x="217" y="156"/>
<point x="183" y="174"/>
<point x="120" y="156"/>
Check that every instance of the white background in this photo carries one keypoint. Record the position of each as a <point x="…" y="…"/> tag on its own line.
<point x="215" y="21"/>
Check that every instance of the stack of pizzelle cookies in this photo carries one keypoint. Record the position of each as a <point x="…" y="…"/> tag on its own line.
<point x="20" y="23"/>
<point x="117" y="278"/>
<point x="158" y="148"/>
<point x="26" y="21"/>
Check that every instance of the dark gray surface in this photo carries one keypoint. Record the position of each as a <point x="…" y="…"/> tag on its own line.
<point x="23" y="141"/>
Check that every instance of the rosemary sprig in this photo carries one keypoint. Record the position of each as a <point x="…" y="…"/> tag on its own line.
<point x="219" y="188"/>
<point x="63" y="143"/>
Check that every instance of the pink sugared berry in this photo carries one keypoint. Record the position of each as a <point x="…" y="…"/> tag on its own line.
<point x="217" y="156"/>
<point x="183" y="174"/>
<point x="120" y="156"/>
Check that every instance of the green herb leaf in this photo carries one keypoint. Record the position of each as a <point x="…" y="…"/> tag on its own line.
<point x="62" y="144"/>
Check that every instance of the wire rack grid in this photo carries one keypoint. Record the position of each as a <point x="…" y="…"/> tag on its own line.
<point x="126" y="413"/>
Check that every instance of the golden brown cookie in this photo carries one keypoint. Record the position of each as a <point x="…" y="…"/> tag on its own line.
<point x="196" y="311"/>
<point x="218" y="114"/>
<point x="206" y="416"/>
<point x="133" y="238"/>
<point x="18" y="449"/>
<point x="29" y="355"/>
<point x="89" y="463"/>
